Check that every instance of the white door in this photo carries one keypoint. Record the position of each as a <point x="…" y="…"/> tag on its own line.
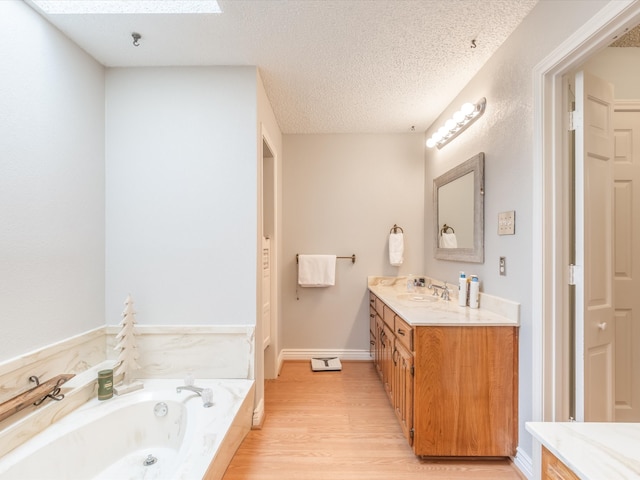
<point x="266" y="292"/>
<point x="627" y="262"/>
<point x="593" y="121"/>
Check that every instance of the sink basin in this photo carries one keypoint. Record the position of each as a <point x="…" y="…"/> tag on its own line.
<point x="418" y="297"/>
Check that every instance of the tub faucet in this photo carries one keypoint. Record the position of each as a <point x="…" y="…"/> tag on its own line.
<point x="205" y="393"/>
<point x="191" y="388"/>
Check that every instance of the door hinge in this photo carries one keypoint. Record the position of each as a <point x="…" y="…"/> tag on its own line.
<point x="572" y="274"/>
<point x="411" y="433"/>
<point x="575" y="120"/>
<point x="412" y="370"/>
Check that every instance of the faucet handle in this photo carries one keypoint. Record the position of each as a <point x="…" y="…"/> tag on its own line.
<point x="189" y="380"/>
<point x="207" y="397"/>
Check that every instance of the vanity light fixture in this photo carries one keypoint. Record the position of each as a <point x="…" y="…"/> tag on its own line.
<point x="468" y="114"/>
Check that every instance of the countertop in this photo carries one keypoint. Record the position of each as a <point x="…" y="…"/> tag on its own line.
<point x="594" y="451"/>
<point x="493" y="311"/>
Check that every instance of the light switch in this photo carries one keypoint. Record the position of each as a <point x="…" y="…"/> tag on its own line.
<point x="507" y="223"/>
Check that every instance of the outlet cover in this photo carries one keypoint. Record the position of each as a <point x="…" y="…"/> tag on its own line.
<point x="507" y="223"/>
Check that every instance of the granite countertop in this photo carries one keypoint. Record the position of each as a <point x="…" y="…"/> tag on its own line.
<point x="392" y="291"/>
<point x="593" y="451"/>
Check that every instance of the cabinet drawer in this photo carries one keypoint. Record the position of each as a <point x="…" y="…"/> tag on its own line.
<point x="404" y="333"/>
<point x="389" y="317"/>
<point x="379" y="305"/>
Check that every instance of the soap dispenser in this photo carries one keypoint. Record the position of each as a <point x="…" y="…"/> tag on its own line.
<point x="462" y="290"/>
<point x="474" y="292"/>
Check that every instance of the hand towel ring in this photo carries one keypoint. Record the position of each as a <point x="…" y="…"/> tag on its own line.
<point x="445" y="229"/>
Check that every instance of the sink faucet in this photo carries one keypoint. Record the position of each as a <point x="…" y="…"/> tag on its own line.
<point x="444" y="290"/>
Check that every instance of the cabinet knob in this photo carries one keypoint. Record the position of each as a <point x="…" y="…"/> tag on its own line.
<point x="602" y="326"/>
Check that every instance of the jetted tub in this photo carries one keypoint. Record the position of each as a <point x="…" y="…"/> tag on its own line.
<point x="153" y="433"/>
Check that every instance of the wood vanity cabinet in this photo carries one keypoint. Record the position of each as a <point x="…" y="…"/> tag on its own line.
<point x="554" y="469"/>
<point x="454" y="389"/>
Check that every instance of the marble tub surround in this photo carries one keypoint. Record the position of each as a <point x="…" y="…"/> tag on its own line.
<point x="212" y="351"/>
<point x="194" y="441"/>
<point x="73" y="355"/>
<point x="593" y="451"/>
<point x="24" y="425"/>
<point x="493" y="311"/>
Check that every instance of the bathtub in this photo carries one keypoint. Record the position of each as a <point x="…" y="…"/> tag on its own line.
<point x="153" y="433"/>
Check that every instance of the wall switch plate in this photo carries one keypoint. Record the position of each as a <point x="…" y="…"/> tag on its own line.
<point x="507" y="223"/>
<point x="503" y="266"/>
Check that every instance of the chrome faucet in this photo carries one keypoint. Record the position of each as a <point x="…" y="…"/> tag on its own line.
<point x="444" y="290"/>
<point x="191" y="388"/>
<point x="205" y="393"/>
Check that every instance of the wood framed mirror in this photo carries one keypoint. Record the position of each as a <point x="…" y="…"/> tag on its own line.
<point x="458" y="202"/>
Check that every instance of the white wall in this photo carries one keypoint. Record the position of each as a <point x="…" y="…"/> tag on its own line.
<point x="181" y="194"/>
<point x="505" y="134"/>
<point x="51" y="184"/>
<point x="342" y="194"/>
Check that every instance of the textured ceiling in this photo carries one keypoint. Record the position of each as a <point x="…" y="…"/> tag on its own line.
<point x="629" y="39"/>
<point x="328" y="66"/>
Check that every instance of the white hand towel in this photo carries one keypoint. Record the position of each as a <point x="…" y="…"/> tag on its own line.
<point x="396" y="249"/>
<point x="316" y="270"/>
<point x="448" y="240"/>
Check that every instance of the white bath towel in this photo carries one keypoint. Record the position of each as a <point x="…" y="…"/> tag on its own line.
<point x="316" y="270"/>
<point x="448" y="240"/>
<point x="396" y="249"/>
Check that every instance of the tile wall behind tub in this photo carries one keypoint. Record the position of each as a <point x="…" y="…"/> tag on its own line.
<point x="73" y="355"/>
<point x="215" y="351"/>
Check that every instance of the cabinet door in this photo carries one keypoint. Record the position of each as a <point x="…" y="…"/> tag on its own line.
<point x="379" y="347"/>
<point x="387" y="360"/>
<point x="372" y="332"/>
<point x="403" y="389"/>
<point x="466" y="394"/>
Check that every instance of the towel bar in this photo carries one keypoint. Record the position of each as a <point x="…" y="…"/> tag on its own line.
<point x="395" y="229"/>
<point x="352" y="257"/>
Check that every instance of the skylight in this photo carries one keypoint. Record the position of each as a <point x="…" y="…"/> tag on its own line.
<point x="53" y="7"/>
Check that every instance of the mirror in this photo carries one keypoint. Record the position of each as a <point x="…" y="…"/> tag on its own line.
<point x="458" y="202"/>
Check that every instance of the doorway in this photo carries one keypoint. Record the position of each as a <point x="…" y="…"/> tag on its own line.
<point x="551" y="301"/>
<point x="268" y="342"/>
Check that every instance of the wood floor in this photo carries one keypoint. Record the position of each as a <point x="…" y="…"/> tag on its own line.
<point x="340" y="426"/>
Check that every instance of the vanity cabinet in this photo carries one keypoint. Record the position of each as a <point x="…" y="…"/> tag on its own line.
<point x="554" y="469"/>
<point x="454" y="389"/>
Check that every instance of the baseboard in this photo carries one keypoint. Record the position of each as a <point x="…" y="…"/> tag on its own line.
<point x="258" y="415"/>
<point x="308" y="354"/>
<point x="524" y="463"/>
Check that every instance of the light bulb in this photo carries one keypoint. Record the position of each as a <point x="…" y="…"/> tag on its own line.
<point x="458" y="117"/>
<point x="431" y="143"/>
<point x="443" y="131"/>
<point x="436" y="137"/>
<point x="468" y="108"/>
<point x="450" y="125"/>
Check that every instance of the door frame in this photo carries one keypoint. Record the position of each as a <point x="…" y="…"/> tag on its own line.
<point x="550" y="206"/>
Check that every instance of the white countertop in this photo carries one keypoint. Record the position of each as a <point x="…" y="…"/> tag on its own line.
<point x="493" y="311"/>
<point x="594" y="451"/>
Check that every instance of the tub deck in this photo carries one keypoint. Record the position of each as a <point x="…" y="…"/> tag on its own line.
<point x="44" y="435"/>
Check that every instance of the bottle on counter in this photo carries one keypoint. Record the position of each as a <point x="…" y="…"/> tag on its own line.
<point x="411" y="286"/>
<point x="462" y="290"/>
<point x="474" y="292"/>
